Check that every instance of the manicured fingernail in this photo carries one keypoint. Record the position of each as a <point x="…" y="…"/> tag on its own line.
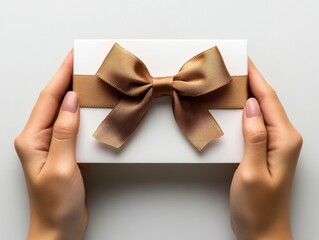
<point x="252" y="108"/>
<point x="70" y="102"/>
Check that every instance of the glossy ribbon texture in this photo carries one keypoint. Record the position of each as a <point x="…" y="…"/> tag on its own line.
<point x="124" y="83"/>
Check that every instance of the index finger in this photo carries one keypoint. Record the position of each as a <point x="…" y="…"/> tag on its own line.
<point x="48" y="103"/>
<point x="271" y="107"/>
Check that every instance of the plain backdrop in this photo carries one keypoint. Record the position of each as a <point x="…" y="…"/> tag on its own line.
<point x="161" y="201"/>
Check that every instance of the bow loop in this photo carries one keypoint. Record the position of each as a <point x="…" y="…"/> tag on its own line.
<point x="202" y="74"/>
<point x="125" y="72"/>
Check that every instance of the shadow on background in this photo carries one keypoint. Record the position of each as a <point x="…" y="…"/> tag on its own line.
<point x="158" y="201"/>
<point x="102" y="179"/>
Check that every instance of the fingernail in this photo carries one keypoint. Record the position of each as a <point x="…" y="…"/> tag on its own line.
<point x="252" y="108"/>
<point x="70" y="102"/>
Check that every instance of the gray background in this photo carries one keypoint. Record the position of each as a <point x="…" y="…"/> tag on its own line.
<point x="159" y="201"/>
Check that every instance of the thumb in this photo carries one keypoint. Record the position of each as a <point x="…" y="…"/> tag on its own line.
<point x="255" y="137"/>
<point x="65" y="129"/>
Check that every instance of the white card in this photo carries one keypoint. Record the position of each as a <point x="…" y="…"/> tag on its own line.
<point x="158" y="138"/>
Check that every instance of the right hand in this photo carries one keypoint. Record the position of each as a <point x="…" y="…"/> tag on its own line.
<point x="261" y="187"/>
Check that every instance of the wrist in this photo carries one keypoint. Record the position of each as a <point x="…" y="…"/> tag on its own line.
<point x="274" y="235"/>
<point x="280" y="231"/>
<point x="44" y="233"/>
<point x="38" y="230"/>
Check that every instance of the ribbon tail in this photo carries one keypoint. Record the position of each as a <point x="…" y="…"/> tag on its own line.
<point x="123" y="120"/>
<point x="195" y="121"/>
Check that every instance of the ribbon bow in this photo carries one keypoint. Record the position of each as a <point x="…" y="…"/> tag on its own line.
<point x="199" y="76"/>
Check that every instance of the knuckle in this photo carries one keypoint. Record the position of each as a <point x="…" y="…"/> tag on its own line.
<point x="294" y="141"/>
<point x="24" y="146"/>
<point x="298" y="140"/>
<point x="44" y="93"/>
<point x="257" y="136"/>
<point x="47" y="93"/>
<point x="21" y="143"/>
<point x="253" y="179"/>
<point x="271" y="93"/>
<point x="62" y="173"/>
<point x="249" y="177"/>
<point x="62" y="131"/>
<point x="18" y="142"/>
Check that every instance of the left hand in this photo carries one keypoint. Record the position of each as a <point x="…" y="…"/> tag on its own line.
<point x="46" y="148"/>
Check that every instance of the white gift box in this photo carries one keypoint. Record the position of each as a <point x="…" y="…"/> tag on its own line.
<point x="158" y="138"/>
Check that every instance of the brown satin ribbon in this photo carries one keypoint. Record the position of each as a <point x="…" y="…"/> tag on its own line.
<point x="124" y="83"/>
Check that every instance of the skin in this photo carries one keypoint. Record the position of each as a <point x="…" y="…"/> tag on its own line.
<point x="46" y="148"/>
<point x="261" y="187"/>
<point x="260" y="190"/>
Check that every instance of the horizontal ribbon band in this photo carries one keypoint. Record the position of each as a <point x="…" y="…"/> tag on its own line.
<point x="124" y="84"/>
<point x="94" y="93"/>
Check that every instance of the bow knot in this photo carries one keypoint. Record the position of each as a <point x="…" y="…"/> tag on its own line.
<point x="162" y="86"/>
<point x="199" y="76"/>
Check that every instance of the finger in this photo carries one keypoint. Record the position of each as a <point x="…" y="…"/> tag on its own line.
<point x="65" y="129"/>
<point x="255" y="138"/>
<point x="45" y="110"/>
<point x="273" y="112"/>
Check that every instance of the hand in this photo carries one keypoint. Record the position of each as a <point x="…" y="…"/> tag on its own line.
<point x="261" y="186"/>
<point x="46" y="148"/>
